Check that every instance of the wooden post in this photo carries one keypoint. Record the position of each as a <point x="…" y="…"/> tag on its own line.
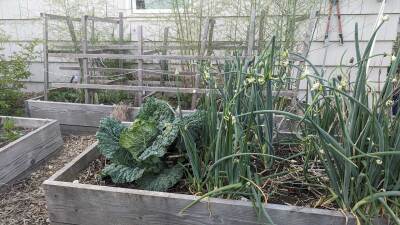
<point x="261" y="32"/>
<point x="210" y="37"/>
<point x="251" y="32"/>
<point x="140" y="62"/>
<point x="45" y="57"/>
<point x="121" y="35"/>
<point x="85" y="75"/>
<point x="203" y="43"/>
<point x="164" y="63"/>
<point x="203" y="46"/>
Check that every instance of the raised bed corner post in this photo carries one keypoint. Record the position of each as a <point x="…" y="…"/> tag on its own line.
<point x="45" y="56"/>
<point x="140" y="63"/>
<point x="203" y="46"/>
<point x="164" y="63"/>
<point x="121" y="35"/>
<point x="85" y="74"/>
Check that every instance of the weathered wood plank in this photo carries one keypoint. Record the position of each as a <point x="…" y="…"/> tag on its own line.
<point x="77" y="130"/>
<point x="121" y="35"/>
<point x="251" y="31"/>
<point x="142" y="57"/>
<point x="85" y="71"/>
<point x="164" y="63"/>
<point x="129" y="88"/>
<point x="153" y="57"/>
<point x="102" y="19"/>
<point x="79" y="163"/>
<point x="75" y="118"/>
<point x="289" y="93"/>
<point x="24" y="154"/>
<point x="89" y="204"/>
<point x="30" y="123"/>
<point x="86" y="115"/>
<point x="45" y="56"/>
<point x="57" y="17"/>
<point x="140" y="64"/>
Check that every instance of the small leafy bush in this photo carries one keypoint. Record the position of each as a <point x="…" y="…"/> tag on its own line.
<point x="12" y="71"/>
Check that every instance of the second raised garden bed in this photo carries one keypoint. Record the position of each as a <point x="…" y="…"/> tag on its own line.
<point x="39" y="139"/>
<point x="80" y="118"/>
<point x="74" y="118"/>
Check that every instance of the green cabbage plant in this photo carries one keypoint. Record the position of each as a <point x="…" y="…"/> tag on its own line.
<point x="137" y="153"/>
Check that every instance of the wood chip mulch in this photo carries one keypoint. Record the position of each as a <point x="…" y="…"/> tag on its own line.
<point x="24" y="202"/>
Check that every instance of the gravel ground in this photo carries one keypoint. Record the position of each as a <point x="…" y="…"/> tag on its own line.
<point x="24" y="202"/>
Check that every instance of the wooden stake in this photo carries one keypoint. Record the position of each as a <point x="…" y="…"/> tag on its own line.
<point x="45" y="57"/>
<point x="164" y="63"/>
<point x="74" y="39"/>
<point x="121" y="35"/>
<point x="251" y="32"/>
<point x="261" y="32"/>
<point x="140" y="62"/>
<point x="85" y="74"/>
<point x="92" y="27"/>
<point x="210" y="37"/>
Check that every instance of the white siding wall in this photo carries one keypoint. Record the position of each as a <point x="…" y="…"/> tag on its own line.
<point x="20" y="19"/>
<point x="363" y="12"/>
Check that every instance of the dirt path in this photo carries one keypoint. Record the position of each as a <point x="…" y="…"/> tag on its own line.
<point x="24" y="203"/>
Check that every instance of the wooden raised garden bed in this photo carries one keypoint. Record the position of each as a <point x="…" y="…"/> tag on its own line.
<point x="18" y="158"/>
<point x="75" y="203"/>
<point x="79" y="118"/>
<point x="74" y="118"/>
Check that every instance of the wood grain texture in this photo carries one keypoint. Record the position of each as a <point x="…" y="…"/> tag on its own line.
<point x="22" y="155"/>
<point x="70" y="203"/>
<point x="76" y="118"/>
<point x="287" y="93"/>
<point x="139" y="89"/>
<point x="85" y="118"/>
<point x="78" y="130"/>
<point x="79" y="163"/>
<point x="90" y="204"/>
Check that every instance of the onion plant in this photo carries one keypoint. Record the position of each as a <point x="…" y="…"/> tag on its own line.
<point x="354" y="135"/>
<point x="233" y="150"/>
<point x="348" y="129"/>
<point x="356" y="138"/>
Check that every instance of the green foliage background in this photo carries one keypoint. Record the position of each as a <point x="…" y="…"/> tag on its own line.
<point x="13" y="70"/>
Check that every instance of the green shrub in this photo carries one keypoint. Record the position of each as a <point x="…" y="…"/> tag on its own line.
<point x="12" y="71"/>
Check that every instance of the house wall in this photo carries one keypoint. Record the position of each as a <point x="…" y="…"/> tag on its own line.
<point x="20" y="20"/>
<point x="365" y="14"/>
